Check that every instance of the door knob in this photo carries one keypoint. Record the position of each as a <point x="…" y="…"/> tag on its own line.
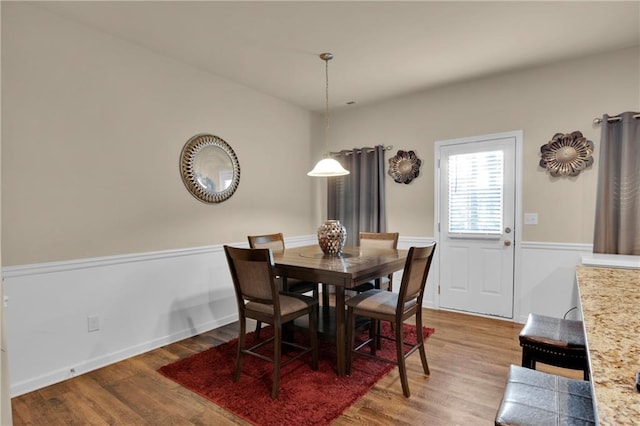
<point x="507" y="243"/>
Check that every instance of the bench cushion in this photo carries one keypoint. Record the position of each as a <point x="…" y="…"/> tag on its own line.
<point x="536" y="398"/>
<point x="554" y="331"/>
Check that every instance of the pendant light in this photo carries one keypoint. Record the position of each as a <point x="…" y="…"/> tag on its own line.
<point x="328" y="166"/>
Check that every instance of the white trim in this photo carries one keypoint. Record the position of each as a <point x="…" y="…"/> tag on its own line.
<point x="95" y="262"/>
<point x="611" y="260"/>
<point x="406" y="242"/>
<point x="303" y="240"/>
<point x="534" y="245"/>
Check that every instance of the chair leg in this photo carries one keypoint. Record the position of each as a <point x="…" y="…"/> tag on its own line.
<point x="528" y="360"/>
<point x="351" y="324"/>
<point x="373" y="335"/>
<point x="313" y="336"/>
<point x="258" y="328"/>
<point x="402" y="367"/>
<point x="390" y="288"/>
<point x="423" y="351"/>
<point x="277" y="354"/>
<point x="241" y="340"/>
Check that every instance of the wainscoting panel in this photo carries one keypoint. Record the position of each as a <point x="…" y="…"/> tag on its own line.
<point x="144" y="301"/>
<point x="546" y="279"/>
<point x="141" y="303"/>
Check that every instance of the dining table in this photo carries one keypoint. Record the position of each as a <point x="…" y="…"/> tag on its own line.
<point x="351" y="267"/>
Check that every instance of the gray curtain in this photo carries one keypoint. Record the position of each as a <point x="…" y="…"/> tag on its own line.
<point x="617" y="227"/>
<point x="358" y="200"/>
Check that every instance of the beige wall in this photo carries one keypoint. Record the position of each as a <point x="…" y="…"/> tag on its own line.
<point x="93" y="129"/>
<point x="540" y="101"/>
<point x="5" y="394"/>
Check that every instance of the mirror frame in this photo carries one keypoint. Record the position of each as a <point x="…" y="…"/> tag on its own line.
<point x="188" y="158"/>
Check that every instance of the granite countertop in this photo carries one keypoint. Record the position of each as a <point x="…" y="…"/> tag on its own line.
<point x="610" y="301"/>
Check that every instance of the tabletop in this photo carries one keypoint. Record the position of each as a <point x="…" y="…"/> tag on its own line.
<point x="354" y="266"/>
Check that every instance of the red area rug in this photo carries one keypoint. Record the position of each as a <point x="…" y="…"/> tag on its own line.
<point x="306" y="397"/>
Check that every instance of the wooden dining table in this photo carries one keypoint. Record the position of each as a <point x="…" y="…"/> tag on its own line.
<point x="352" y="267"/>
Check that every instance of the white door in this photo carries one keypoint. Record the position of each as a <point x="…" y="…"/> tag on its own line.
<point x="476" y="223"/>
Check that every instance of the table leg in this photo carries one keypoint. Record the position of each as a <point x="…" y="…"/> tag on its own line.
<point x="341" y="350"/>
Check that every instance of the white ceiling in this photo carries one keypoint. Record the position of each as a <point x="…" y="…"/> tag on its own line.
<point x="382" y="49"/>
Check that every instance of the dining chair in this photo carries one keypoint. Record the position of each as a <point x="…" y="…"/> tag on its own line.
<point x="377" y="240"/>
<point x="259" y="298"/>
<point x="275" y="242"/>
<point x="380" y="305"/>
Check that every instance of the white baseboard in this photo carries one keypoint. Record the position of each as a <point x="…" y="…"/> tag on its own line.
<point x="67" y="372"/>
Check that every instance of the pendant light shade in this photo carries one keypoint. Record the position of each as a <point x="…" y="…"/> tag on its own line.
<point x="327" y="167"/>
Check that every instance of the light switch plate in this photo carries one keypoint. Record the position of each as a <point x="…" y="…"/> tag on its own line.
<point x="531" y="218"/>
<point x="93" y="323"/>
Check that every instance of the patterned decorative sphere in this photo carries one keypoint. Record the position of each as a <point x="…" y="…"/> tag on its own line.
<point x="332" y="236"/>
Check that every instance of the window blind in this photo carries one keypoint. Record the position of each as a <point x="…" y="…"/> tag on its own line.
<point x="476" y="193"/>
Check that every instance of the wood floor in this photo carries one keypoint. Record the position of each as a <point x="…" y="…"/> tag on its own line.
<point x="469" y="357"/>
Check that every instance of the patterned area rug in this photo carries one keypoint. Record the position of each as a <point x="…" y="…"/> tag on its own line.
<point x="306" y="397"/>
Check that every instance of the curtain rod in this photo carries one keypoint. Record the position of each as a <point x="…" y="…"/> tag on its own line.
<point x="598" y="120"/>
<point x="349" y="152"/>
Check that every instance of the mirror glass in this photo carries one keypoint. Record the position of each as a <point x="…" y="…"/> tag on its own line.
<point x="209" y="168"/>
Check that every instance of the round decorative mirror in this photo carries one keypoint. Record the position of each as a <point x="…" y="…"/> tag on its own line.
<point x="210" y="169"/>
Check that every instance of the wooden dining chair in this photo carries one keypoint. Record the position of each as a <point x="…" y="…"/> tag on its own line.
<point x="275" y="242"/>
<point x="379" y="305"/>
<point x="259" y="298"/>
<point x="377" y="240"/>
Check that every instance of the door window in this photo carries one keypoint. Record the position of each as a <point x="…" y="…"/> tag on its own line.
<point x="475" y="194"/>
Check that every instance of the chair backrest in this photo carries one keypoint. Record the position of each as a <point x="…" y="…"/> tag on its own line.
<point x="252" y="274"/>
<point x="275" y="242"/>
<point x="379" y="240"/>
<point x="416" y="271"/>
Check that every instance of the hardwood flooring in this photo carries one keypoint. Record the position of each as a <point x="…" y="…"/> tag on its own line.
<point x="469" y="358"/>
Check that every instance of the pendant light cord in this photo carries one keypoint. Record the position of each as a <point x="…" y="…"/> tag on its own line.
<point x="326" y="106"/>
<point x="328" y="166"/>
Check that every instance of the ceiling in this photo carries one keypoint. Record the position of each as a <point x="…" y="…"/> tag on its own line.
<point x="382" y="49"/>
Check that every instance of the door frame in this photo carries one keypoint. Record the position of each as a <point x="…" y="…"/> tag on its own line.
<point x="517" y="237"/>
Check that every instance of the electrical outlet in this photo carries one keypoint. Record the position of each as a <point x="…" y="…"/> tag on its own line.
<point x="93" y="323"/>
<point x="531" y="218"/>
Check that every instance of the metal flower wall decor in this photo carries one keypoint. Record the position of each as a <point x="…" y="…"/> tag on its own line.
<point x="566" y="154"/>
<point x="404" y="166"/>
